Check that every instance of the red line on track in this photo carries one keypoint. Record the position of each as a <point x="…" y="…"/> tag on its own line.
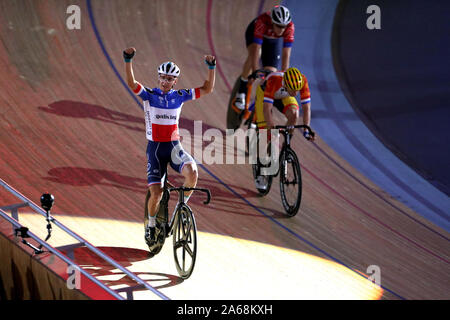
<point x="371" y="216"/>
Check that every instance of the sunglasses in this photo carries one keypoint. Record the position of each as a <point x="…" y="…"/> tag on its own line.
<point x="167" y="78"/>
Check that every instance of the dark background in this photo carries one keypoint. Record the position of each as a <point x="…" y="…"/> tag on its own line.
<point x="398" y="78"/>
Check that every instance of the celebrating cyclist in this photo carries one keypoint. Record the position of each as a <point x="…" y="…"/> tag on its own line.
<point x="162" y="108"/>
<point x="263" y="41"/>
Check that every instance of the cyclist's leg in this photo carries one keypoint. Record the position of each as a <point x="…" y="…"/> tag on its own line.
<point x="252" y="50"/>
<point x="262" y="182"/>
<point x="183" y="163"/>
<point x="259" y="108"/>
<point x="259" y="114"/>
<point x="190" y="174"/>
<point x="247" y="69"/>
<point x="292" y="116"/>
<point x="156" y="169"/>
<point x="156" y="192"/>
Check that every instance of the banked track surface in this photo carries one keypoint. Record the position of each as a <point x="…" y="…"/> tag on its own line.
<point x="70" y="126"/>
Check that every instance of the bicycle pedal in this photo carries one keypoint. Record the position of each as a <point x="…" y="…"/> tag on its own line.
<point x="155" y="248"/>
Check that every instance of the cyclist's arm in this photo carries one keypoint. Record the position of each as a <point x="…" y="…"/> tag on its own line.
<point x="307" y="117"/>
<point x="267" y="109"/>
<point x="137" y="88"/>
<point x="305" y="100"/>
<point x="306" y="113"/>
<point x="132" y="83"/>
<point x="208" y="86"/>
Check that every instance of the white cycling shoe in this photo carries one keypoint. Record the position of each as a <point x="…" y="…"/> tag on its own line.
<point x="261" y="183"/>
<point x="239" y="102"/>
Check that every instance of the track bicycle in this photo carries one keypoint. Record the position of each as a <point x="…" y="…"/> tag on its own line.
<point x="181" y="225"/>
<point x="288" y="167"/>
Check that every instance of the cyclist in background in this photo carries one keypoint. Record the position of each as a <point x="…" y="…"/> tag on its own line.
<point x="162" y="108"/>
<point x="263" y="41"/>
<point x="279" y="90"/>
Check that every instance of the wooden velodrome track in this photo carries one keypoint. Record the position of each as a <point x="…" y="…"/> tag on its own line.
<point x="69" y="126"/>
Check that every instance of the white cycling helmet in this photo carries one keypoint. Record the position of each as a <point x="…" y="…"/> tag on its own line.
<point x="281" y="16"/>
<point x="169" y="68"/>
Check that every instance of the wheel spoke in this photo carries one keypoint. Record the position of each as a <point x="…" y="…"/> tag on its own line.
<point x="187" y="230"/>
<point x="185" y="239"/>
<point x="188" y="249"/>
<point x="178" y="245"/>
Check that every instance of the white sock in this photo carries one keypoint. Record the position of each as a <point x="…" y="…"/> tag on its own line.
<point x="152" y="221"/>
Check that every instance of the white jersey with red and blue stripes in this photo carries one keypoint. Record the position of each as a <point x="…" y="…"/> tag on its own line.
<point x="162" y="111"/>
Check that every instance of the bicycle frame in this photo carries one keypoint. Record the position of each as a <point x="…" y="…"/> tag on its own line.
<point x="182" y="225"/>
<point x="180" y="203"/>
<point x="287" y="141"/>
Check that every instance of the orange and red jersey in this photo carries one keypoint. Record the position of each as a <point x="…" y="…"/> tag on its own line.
<point x="274" y="89"/>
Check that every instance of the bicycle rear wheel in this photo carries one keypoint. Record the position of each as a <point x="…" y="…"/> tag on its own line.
<point x="290" y="182"/>
<point x="185" y="241"/>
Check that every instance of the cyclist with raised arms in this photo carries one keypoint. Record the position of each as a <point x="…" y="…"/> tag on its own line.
<point x="162" y="108"/>
<point x="262" y="38"/>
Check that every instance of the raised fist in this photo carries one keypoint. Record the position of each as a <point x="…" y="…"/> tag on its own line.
<point x="128" y="53"/>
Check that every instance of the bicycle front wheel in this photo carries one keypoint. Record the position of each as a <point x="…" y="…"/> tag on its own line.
<point x="185" y="241"/>
<point x="290" y="182"/>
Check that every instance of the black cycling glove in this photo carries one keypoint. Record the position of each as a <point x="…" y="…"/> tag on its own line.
<point x="211" y="64"/>
<point x="128" y="56"/>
